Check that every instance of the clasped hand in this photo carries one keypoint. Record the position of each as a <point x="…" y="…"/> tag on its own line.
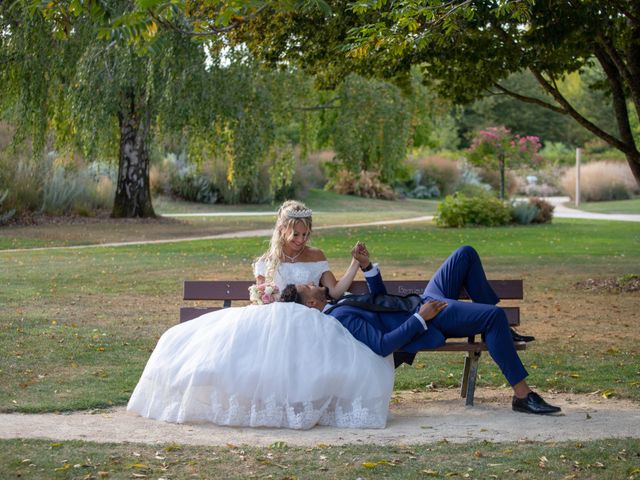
<point x="360" y="253"/>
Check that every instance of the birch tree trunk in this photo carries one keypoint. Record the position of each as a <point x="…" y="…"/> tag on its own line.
<point x="133" y="193"/>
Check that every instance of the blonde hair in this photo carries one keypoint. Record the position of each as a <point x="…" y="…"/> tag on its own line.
<point x="290" y="214"/>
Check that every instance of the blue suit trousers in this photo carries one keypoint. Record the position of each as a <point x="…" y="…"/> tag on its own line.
<point x="463" y="269"/>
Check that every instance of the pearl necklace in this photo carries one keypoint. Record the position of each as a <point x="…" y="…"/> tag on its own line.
<point x="293" y="259"/>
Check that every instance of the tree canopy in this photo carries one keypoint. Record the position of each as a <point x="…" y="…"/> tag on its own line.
<point x="468" y="48"/>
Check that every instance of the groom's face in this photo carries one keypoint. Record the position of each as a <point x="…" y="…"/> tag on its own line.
<point x="312" y="295"/>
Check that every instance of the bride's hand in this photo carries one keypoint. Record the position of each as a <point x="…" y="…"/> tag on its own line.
<point x="361" y="254"/>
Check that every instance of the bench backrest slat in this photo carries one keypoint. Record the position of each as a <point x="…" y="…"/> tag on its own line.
<point x="239" y="289"/>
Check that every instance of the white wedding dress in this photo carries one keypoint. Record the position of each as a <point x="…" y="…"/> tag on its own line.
<point x="297" y="273"/>
<point x="276" y="365"/>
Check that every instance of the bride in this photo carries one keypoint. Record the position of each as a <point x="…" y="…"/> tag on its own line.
<point x="289" y="258"/>
<point x="275" y="365"/>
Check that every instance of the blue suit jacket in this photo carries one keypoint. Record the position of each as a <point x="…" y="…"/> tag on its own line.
<point x="386" y="332"/>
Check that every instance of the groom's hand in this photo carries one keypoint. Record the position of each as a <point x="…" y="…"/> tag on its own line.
<point x="361" y="254"/>
<point x="430" y="309"/>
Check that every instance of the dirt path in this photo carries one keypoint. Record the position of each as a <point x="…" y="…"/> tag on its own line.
<point x="415" y="418"/>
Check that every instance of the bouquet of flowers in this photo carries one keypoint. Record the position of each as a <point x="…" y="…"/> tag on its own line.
<point x="264" y="293"/>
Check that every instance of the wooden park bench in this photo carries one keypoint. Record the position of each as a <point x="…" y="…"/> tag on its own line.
<point x="228" y="291"/>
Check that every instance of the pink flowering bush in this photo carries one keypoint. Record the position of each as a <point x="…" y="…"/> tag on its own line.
<point x="264" y="293"/>
<point x="495" y="146"/>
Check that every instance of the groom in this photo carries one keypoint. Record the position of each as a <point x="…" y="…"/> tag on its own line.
<point x="388" y="323"/>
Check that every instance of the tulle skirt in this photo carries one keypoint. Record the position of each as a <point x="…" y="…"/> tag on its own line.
<point x="276" y="365"/>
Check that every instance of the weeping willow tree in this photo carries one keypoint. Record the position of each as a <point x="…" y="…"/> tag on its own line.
<point x="372" y="127"/>
<point x="100" y="94"/>
<point x="70" y="68"/>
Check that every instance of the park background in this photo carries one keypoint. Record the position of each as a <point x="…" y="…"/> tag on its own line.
<point x="211" y="111"/>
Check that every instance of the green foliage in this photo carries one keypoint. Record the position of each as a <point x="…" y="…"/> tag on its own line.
<point x="558" y="153"/>
<point x="25" y="178"/>
<point x="363" y="184"/>
<point x="437" y="169"/>
<point x="5" y="214"/>
<point x="372" y="127"/>
<point x="545" y="210"/>
<point x="483" y="210"/>
<point x="60" y="191"/>
<point x="497" y="147"/>
<point x="439" y="458"/>
<point x="524" y="212"/>
<point x="81" y="191"/>
<point x="193" y="187"/>
<point x="534" y="210"/>
<point x="281" y="173"/>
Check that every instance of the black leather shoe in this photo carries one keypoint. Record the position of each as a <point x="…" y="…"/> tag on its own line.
<point x="533" y="403"/>
<point x="521" y="338"/>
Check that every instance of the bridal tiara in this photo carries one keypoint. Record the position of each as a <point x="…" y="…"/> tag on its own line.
<point x="304" y="213"/>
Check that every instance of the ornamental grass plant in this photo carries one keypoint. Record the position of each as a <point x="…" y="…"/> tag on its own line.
<point x="601" y="181"/>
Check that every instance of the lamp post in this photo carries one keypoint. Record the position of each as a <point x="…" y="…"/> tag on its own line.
<point x="578" y="158"/>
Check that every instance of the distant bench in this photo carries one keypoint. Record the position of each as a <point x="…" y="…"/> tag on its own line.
<point x="228" y="291"/>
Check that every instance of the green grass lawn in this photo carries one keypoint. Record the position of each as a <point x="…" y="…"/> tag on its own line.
<point x="78" y="325"/>
<point x="320" y="201"/>
<point x="618" y="206"/>
<point x="38" y="459"/>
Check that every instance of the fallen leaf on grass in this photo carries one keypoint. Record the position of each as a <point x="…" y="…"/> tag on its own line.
<point x="379" y="462"/>
<point x="608" y="393"/>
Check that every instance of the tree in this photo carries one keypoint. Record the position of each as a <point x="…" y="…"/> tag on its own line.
<point x="372" y="127"/>
<point x="530" y="119"/>
<point x="497" y="145"/>
<point x="96" y="92"/>
<point x="109" y="81"/>
<point x="467" y="48"/>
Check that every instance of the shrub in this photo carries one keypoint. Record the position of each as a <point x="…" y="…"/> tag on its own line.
<point x="8" y="214"/>
<point x="424" y="191"/>
<point x="438" y="171"/>
<point x="365" y="184"/>
<point x="535" y="210"/>
<point x="484" y="210"/>
<point x="558" y="153"/>
<point x="492" y="178"/>
<point x="470" y="183"/>
<point x="545" y="210"/>
<point x="193" y="187"/>
<point x="25" y="177"/>
<point x="60" y="191"/>
<point x="524" y="212"/>
<point x="82" y="192"/>
<point x="600" y="181"/>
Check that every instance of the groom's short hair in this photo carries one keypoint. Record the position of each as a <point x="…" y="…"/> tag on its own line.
<point x="290" y="294"/>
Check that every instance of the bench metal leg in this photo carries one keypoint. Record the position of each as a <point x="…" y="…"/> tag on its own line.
<point x="469" y="376"/>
